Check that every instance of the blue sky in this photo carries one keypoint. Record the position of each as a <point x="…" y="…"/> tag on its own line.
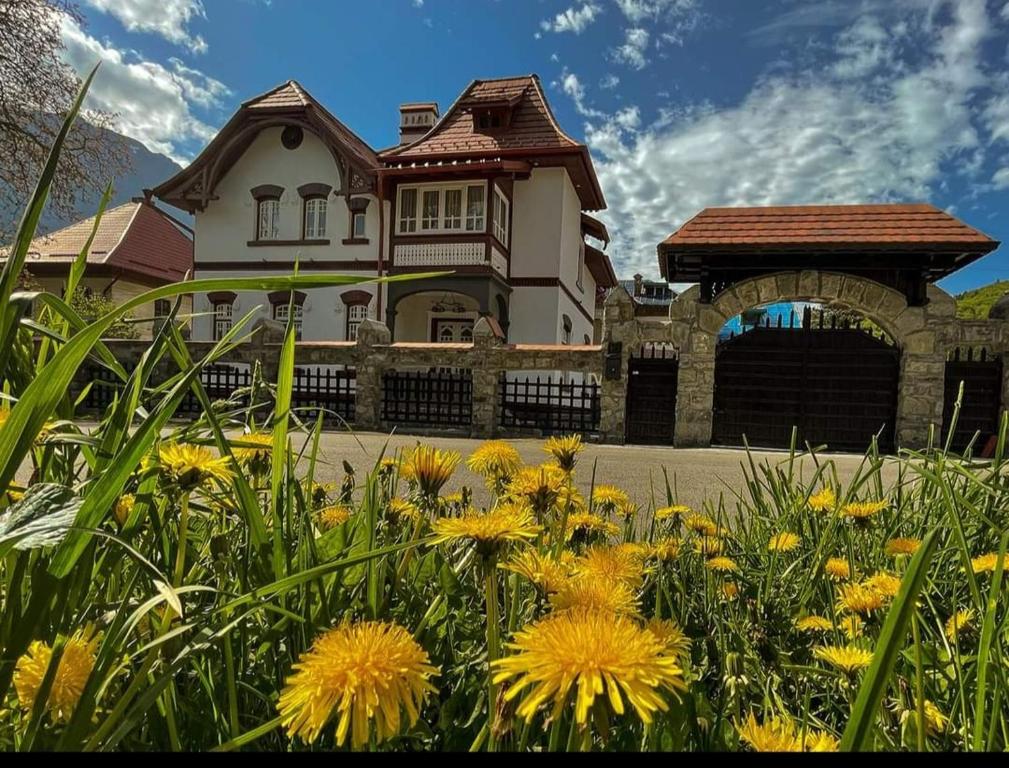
<point x="684" y="103"/>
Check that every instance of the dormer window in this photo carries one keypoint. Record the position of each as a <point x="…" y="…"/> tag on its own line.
<point x="489" y="120"/>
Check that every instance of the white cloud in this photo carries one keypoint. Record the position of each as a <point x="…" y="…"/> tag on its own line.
<point x="572" y="19"/>
<point x="574" y="90"/>
<point x="1001" y="178"/>
<point x="153" y="102"/>
<point x="1005" y="12"/>
<point x="609" y="81"/>
<point x="167" y="18"/>
<point x="673" y="19"/>
<point x="818" y="135"/>
<point x="632" y="52"/>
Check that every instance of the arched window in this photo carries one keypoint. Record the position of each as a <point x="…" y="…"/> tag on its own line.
<point x="282" y="303"/>
<point x="314" y="210"/>
<point x="565" y="329"/>
<point x="357" y="303"/>
<point x="223" y="303"/>
<point x="267" y="198"/>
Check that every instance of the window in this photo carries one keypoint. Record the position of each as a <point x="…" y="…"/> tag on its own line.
<point x="408" y="210"/>
<point x="581" y="266"/>
<point x="441" y="209"/>
<point x="565" y="329"/>
<point x="162" y="308"/>
<point x="269" y="219"/>
<point x="281" y="312"/>
<point x="358" y="227"/>
<point x="315" y="218"/>
<point x="223" y="311"/>
<point x="356" y="314"/>
<point x="500" y="217"/>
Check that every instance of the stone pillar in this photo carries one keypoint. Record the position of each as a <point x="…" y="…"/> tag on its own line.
<point x="368" y="402"/>
<point x="619" y="327"/>
<point x="485" y="380"/>
<point x="695" y="392"/>
<point x="265" y="345"/>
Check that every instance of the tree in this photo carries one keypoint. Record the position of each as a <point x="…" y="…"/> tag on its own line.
<point x="36" y="88"/>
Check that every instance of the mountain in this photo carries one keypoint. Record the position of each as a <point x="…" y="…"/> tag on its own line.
<point x="974" y="305"/>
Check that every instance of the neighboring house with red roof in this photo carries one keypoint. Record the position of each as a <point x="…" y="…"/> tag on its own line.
<point x="492" y="191"/>
<point x="136" y="247"/>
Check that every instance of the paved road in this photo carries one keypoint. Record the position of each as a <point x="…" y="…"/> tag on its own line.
<point x="698" y="474"/>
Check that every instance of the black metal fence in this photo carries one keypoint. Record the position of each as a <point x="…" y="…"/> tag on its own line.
<point x="428" y="398"/>
<point x="549" y="406"/>
<point x="330" y="392"/>
<point x="981" y="375"/>
<point x="221" y="382"/>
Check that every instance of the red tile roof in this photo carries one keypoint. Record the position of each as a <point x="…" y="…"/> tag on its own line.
<point x="830" y="226"/>
<point x="135" y="237"/>
<point x="532" y="125"/>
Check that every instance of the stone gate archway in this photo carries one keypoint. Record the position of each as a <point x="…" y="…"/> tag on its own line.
<point x="922" y="333"/>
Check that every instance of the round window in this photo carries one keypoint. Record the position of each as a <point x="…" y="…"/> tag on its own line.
<point x="292" y="137"/>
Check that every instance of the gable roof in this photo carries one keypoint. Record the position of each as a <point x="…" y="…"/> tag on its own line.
<point x="533" y="134"/>
<point x="891" y="227"/>
<point x="135" y="238"/>
<point x="288" y="103"/>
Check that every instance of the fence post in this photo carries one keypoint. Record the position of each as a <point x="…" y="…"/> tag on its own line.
<point x="485" y="379"/>
<point x="369" y="366"/>
<point x="619" y="326"/>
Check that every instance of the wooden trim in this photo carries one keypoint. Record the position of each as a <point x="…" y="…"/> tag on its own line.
<point x="355" y="241"/>
<point x="461" y="269"/>
<point x="284" y="297"/>
<point x="314" y="189"/>
<point x="356" y="297"/>
<point x="286" y="266"/>
<point x="267" y="243"/>
<point x="222" y="297"/>
<point x="453" y="237"/>
<point x="358" y="204"/>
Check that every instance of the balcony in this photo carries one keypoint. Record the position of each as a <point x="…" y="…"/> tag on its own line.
<point x="414" y="254"/>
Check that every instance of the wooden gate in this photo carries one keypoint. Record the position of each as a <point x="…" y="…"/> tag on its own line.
<point x="982" y="392"/>
<point x="836" y="383"/>
<point x="651" y="396"/>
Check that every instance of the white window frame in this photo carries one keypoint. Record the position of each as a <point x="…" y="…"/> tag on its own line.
<point x="224" y="315"/>
<point x="502" y="209"/>
<point x="355" y="318"/>
<point x="262" y="233"/>
<point x="355" y="234"/>
<point x="280" y="315"/>
<point x="463" y="223"/>
<point x="318" y="209"/>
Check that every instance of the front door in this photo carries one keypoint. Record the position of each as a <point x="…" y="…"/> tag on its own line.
<point x="451" y="331"/>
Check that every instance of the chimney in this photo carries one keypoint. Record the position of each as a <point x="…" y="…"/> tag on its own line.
<point x="638" y="285"/>
<point x="415" y="120"/>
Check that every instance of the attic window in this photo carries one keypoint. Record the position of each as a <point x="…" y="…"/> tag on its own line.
<point x="490" y="120"/>
<point x="292" y="136"/>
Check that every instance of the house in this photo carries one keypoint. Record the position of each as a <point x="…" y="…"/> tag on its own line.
<point x="493" y="191"/>
<point x="136" y="247"/>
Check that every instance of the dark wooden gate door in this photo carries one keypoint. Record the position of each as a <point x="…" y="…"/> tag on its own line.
<point x="838" y="385"/>
<point x="651" y="396"/>
<point x="982" y="393"/>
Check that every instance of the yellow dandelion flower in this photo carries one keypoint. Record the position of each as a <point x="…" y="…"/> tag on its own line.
<point x="813" y="624"/>
<point x="723" y="564"/>
<point x="401" y="509"/>
<point x="570" y="499"/>
<point x="541" y="570"/>
<point x="333" y="516"/>
<point x="709" y="546"/>
<point x="958" y="623"/>
<point x="848" y="659"/>
<point x="902" y="546"/>
<point x="429" y="468"/>
<point x="775" y="734"/>
<point x="730" y="590"/>
<point x="676" y="510"/>
<point x="860" y="598"/>
<point x="638" y="549"/>
<point x="612" y="563"/>
<point x="190" y="466"/>
<point x="935" y="720"/>
<point x="595" y="592"/>
<point x="851" y="626"/>
<point x="823" y="501"/>
<point x="863" y="510"/>
<point x="14" y="495"/>
<point x="319" y="493"/>
<point x="565" y="451"/>
<point x="124" y="508"/>
<point x="783" y="542"/>
<point x="494" y="460"/>
<point x="988" y="562"/>
<point x="701" y="524"/>
<point x="491" y="530"/>
<point x="590" y="526"/>
<point x="362" y="672"/>
<point x="253" y="449"/>
<point x="455" y="499"/>
<point x="540" y="486"/>
<point x="594" y="654"/>
<point x="668" y="633"/>
<point x="885" y="583"/>
<point x="71" y="676"/>
<point x="837" y="568"/>
<point x="821" y="741"/>
<point x="609" y="498"/>
<point x="663" y="549"/>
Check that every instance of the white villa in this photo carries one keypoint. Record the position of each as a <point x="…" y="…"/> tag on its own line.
<point x="494" y="191"/>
